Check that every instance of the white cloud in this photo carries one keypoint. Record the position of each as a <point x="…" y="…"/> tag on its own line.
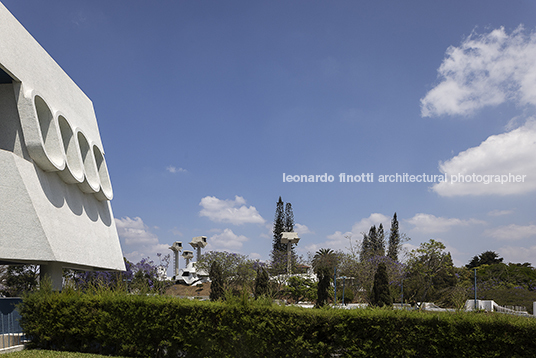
<point x="138" y="242"/>
<point x="430" y="224"/>
<point x="513" y="153"/>
<point x="512" y="232"/>
<point x="255" y="256"/>
<point x="364" y="225"/>
<point x="485" y="70"/>
<point x="176" y="232"/>
<point x="227" y="240"/>
<point x="149" y="251"/>
<point x="341" y="240"/>
<point x="302" y="229"/>
<point x="231" y="211"/>
<point x="517" y="254"/>
<point x="173" y="169"/>
<point x="500" y="212"/>
<point x="134" y="231"/>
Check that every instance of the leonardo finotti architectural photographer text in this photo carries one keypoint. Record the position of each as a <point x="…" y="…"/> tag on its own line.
<point x="405" y="178"/>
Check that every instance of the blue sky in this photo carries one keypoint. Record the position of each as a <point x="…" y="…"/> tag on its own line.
<point x="203" y="105"/>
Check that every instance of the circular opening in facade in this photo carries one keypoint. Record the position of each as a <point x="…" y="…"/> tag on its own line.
<point x="49" y="132"/>
<point x="91" y="182"/>
<point x="106" y="184"/>
<point x="74" y="165"/>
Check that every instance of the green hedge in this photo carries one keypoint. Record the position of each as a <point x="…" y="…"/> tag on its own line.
<point x="154" y="326"/>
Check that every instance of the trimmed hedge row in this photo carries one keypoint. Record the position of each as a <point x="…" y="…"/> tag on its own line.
<point x="160" y="326"/>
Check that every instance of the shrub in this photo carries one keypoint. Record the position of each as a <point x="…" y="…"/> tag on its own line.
<point x="160" y="326"/>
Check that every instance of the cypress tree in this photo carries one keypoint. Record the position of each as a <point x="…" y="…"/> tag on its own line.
<point x="279" y="227"/>
<point x="365" y="248"/>
<point x="216" y="278"/>
<point x="380" y="291"/>
<point x="379" y="243"/>
<point x="262" y="281"/>
<point x="289" y="218"/>
<point x="283" y="222"/>
<point x="394" y="240"/>
<point x="374" y="243"/>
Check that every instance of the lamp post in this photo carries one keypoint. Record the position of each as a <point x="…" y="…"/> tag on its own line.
<point x="289" y="238"/>
<point x="475" y="289"/>
<point x="335" y="285"/>
<point x="343" y="284"/>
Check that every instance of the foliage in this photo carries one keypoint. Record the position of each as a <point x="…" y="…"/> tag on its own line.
<point x="512" y="284"/>
<point x="502" y="275"/>
<point x="485" y="258"/>
<point x="348" y="294"/>
<point x="49" y="354"/>
<point x="262" y="283"/>
<point x="373" y="244"/>
<point x="157" y="326"/>
<point x="289" y="218"/>
<point x="394" y="240"/>
<point x="142" y="277"/>
<point x="367" y="270"/>
<point x="430" y="272"/>
<point x="216" y="278"/>
<point x="301" y="289"/>
<point x="381" y="295"/>
<point x="283" y="222"/>
<point x="324" y="263"/>
<point x="279" y="227"/>
<point x="18" y="279"/>
<point x="238" y="270"/>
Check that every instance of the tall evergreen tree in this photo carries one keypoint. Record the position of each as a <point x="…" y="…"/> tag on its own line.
<point x="279" y="227"/>
<point x="262" y="281"/>
<point x="289" y="218"/>
<point x="283" y="222"/>
<point x="216" y="279"/>
<point x="378" y="245"/>
<point x="373" y="244"/>
<point x="394" y="240"/>
<point x="380" y="291"/>
<point x="365" y="248"/>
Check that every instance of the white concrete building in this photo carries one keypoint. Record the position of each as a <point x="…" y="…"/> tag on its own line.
<point x="55" y="190"/>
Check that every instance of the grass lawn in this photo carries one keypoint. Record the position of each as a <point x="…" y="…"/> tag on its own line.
<point x="48" y="354"/>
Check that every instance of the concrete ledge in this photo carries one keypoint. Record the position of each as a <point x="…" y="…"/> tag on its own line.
<point x="12" y="349"/>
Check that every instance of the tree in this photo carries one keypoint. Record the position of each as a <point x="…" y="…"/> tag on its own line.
<point x="373" y="244"/>
<point x="430" y="272"/>
<point x="289" y="218"/>
<point x="237" y="270"/>
<point x="300" y="288"/>
<point x="378" y="244"/>
<point x="279" y="227"/>
<point x="283" y="222"/>
<point x="19" y="279"/>
<point x="485" y="258"/>
<point x="262" y="281"/>
<point x="394" y="240"/>
<point x="142" y="277"/>
<point x="324" y="263"/>
<point x="216" y="278"/>
<point x="381" y="295"/>
<point x="365" y="248"/>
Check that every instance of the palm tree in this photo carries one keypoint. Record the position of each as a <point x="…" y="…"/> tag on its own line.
<point x="324" y="263"/>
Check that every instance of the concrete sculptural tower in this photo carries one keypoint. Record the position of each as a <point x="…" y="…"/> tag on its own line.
<point x="54" y="183"/>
